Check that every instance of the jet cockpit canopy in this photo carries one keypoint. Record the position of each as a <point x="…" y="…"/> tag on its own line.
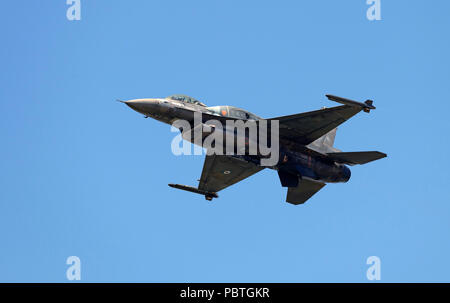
<point x="234" y="112"/>
<point x="187" y="99"/>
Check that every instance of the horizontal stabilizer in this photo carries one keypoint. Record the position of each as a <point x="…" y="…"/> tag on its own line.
<point x="353" y="158"/>
<point x="305" y="190"/>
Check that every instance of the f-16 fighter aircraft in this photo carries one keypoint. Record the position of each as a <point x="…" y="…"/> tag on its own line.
<point x="306" y="157"/>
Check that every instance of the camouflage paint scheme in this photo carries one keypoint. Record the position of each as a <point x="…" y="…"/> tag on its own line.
<point x="307" y="158"/>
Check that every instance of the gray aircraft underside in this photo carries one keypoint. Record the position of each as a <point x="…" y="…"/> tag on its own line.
<point x="307" y="158"/>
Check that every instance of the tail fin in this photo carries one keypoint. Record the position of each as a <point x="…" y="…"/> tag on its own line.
<point x="328" y="139"/>
<point x="325" y="143"/>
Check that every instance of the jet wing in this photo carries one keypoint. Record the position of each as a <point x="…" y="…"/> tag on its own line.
<point x="306" y="127"/>
<point x="306" y="189"/>
<point x="220" y="172"/>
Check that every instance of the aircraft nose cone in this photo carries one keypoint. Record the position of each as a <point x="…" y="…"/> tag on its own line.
<point x="132" y="104"/>
<point x="143" y="106"/>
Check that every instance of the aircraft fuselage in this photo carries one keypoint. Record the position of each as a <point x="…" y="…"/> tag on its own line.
<point x="294" y="159"/>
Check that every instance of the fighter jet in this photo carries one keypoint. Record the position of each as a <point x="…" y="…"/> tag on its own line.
<point x="307" y="158"/>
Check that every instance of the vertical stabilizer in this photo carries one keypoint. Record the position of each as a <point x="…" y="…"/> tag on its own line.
<point x="328" y="139"/>
<point x="325" y="143"/>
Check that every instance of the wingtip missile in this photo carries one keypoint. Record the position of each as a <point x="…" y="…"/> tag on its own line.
<point x="208" y="195"/>
<point x="366" y="106"/>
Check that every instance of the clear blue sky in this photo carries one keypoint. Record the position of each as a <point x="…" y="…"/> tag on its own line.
<point x="84" y="175"/>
